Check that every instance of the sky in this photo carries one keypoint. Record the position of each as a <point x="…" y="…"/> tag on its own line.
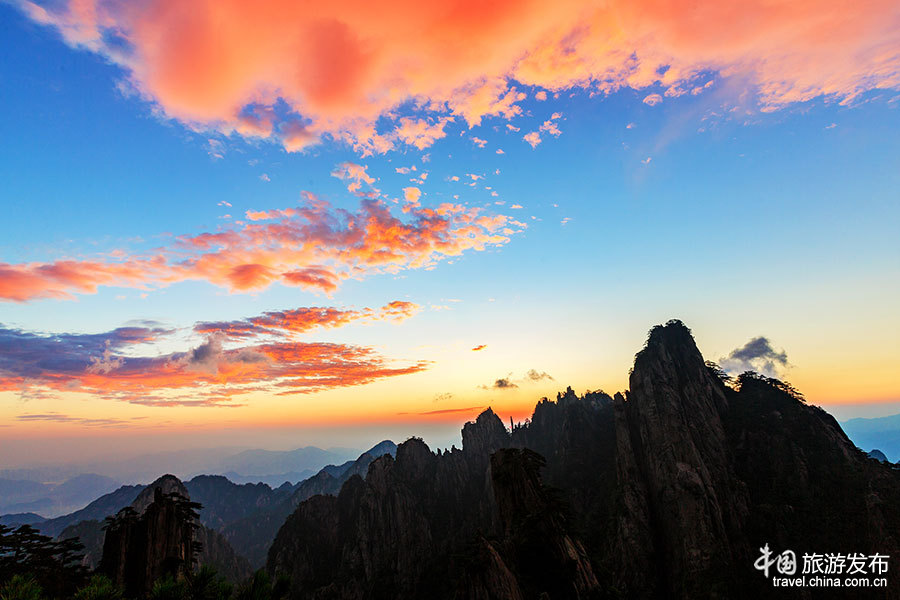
<point x="275" y="224"/>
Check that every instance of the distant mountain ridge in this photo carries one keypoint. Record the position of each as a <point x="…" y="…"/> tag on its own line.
<point x="20" y="496"/>
<point x="248" y="514"/>
<point x="99" y="509"/>
<point x="882" y="433"/>
<point x="253" y="465"/>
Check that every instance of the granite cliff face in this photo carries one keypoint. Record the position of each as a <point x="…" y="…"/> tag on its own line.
<point x="667" y="491"/>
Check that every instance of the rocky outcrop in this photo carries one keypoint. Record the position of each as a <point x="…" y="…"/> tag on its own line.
<point x="483" y="436"/>
<point x="150" y="540"/>
<point x="674" y="466"/>
<point x="160" y="534"/>
<point x="547" y="556"/>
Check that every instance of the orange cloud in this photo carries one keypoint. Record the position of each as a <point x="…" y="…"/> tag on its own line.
<point x="62" y="278"/>
<point x="312" y="246"/>
<point x="479" y="347"/>
<point x="341" y="67"/>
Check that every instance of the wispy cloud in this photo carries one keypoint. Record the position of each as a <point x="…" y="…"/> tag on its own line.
<point x="535" y="375"/>
<point x="301" y="320"/>
<point x="444" y="411"/>
<point x="357" y="175"/>
<point x="84" y="421"/>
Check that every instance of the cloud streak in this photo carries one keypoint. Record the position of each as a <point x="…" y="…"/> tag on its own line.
<point x="87" y="422"/>
<point x="278" y="70"/>
<point x="301" y="320"/>
<point x="444" y="411"/>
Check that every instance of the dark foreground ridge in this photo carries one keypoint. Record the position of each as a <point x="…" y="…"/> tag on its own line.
<point x="667" y="492"/>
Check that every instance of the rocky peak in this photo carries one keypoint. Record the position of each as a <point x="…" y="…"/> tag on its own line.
<point x="567" y="397"/>
<point x="165" y="485"/>
<point x="414" y="458"/>
<point x="382" y="448"/>
<point x="877" y="455"/>
<point x="485" y="434"/>
<point x="674" y="465"/>
<point x="152" y="538"/>
<point x="671" y="363"/>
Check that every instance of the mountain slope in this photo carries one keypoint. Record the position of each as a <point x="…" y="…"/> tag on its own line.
<point x="253" y="534"/>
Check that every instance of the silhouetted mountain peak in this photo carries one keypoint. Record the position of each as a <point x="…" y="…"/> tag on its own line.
<point x="414" y="457"/>
<point x="877" y="455"/>
<point x="670" y="369"/>
<point x="167" y="484"/>
<point x="485" y="434"/>
<point x="382" y="448"/>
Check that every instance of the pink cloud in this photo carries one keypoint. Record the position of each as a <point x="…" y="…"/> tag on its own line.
<point x="357" y="176"/>
<point x="533" y="138"/>
<point x="302" y="320"/>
